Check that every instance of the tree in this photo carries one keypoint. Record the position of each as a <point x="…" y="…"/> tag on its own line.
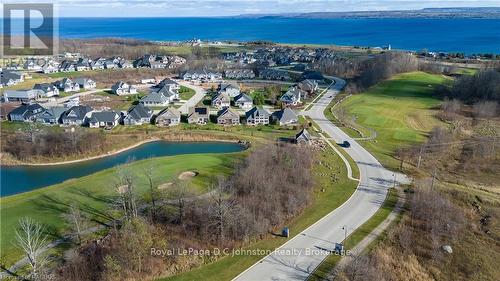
<point x="221" y="209"/>
<point x="126" y="195"/>
<point x="32" y="240"/>
<point x="76" y="220"/>
<point x="153" y="192"/>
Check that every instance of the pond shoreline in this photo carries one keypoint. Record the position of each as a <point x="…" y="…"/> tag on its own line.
<point x="110" y="153"/>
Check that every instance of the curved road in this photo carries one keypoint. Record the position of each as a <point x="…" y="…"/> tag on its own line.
<point x="297" y="259"/>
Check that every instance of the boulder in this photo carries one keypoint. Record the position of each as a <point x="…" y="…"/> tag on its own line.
<point x="447" y="249"/>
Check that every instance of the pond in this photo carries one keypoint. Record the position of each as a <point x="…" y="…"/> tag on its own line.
<point x="17" y="179"/>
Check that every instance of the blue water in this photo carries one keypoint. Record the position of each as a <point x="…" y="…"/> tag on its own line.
<point x="19" y="179"/>
<point x="443" y="35"/>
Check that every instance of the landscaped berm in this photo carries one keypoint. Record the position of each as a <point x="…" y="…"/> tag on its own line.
<point x="400" y="110"/>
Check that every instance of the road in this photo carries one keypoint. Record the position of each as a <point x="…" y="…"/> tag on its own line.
<point x="297" y="259"/>
<point x="195" y="99"/>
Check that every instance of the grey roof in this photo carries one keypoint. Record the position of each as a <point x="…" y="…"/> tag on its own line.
<point x="82" y="80"/>
<point x="226" y="111"/>
<point x="167" y="81"/>
<point x="139" y="111"/>
<point x="285" y="115"/>
<point x="155" y="97"/>
<point x="76" y="112"/>
<point x="170" y="112"/>
<point x="46" y="87"/>
<point x="103" y="116"/>
<point x="293" y="94"/>
<point x="257" y="112"/>
<point x="27" y="109"/>
<point x="304" y="134"/>
<point x="243" y="98"/>
<point x="53" y="112"/>
<point x="23" y="94"/>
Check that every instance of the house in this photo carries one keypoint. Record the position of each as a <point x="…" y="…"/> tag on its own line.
<point x="309" y="86"/>
<point x="138" y="115"/>
<point x="169" y="91"/>
<point x="125" y="64"/>
<point x="49" y="90"/>
<point x="26" y="112"/>
<point x="67" y="66"/>
<point x="103" y="119"/>
<point x="198" y="115"/>
<point x="303" y="137"/>
<point x="51" y="115"/>
<point x="285" y="116"/>
<point x="10" y="77"/>
<point x="170" y="83"/>
<point x="168" y="117"/>
<point x="201" y="75"/>
<point x="97" y="65"/>
<point x="221" y="100"/>
<point x="292" y="96"/>
<point x="73" y="101"/>
<point x="257" y="116"/>
<point x="274" y="74"/>
<point x="229" y="89"/>
<point x="48" y="68"/>
<point x="243" y="101"/>
<point x="110" y="65"/>
<point x="228" y="117"/>
<point x="67" y="85"/>
<point x="85" y="83"/>
<point x="22" y="95"/>
<point x="76" y="115"/>
<point x="123" y="88"/>
<point x="239" y="74"/>
<point x="313" y="75"/>
<point x="155" y="99"/>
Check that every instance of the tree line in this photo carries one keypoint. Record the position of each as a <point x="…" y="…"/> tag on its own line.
<point x="269" y="187"/>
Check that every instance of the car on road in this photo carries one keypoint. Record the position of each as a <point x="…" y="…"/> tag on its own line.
<point x="346" y="144"/>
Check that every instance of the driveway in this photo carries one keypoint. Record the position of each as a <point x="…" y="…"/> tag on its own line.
<point x="297" y="259"/>
<point x="195" y="99"/>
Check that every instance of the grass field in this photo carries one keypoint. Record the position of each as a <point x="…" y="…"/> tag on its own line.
<point x="186" y="93"/>
<point x="336" y="192"/>
<point x="93" y="194"/>
<point x="401" y="110"/>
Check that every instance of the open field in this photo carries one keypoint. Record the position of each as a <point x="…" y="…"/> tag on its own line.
<point x="337" y="189"/>
<point x="401" y="110"/>
<point x="94" y="194"/>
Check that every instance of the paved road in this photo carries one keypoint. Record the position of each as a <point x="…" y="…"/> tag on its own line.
<point x="298" y="258"/>
<point x="195" y="99"/>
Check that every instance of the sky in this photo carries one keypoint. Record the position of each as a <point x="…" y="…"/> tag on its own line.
<point x="206" y="8"/>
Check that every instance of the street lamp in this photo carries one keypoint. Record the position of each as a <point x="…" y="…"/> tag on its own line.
<point x="345" y="235"/>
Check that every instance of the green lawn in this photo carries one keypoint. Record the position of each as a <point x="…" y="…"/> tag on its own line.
<point x="337" y="190"/>
<point x="93" y="192"/>
<point x="186" y="93"/>
<point x="401" y="110"/>
<point x="359" y="234"/>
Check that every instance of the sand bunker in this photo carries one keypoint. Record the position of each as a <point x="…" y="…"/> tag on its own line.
<point x="165" y="185"/>
<point x="187" y="175"/>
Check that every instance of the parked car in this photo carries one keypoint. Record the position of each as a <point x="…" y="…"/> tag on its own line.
<point x="346" y="144"/>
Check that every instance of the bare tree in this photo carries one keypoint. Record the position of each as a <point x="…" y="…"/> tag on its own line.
<point x="126" y="195"/>
<point x="32" y="240"/>
<point x="221" y="209"/>
<point x="153" y="192"/>
<point x="76" y="220"/>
